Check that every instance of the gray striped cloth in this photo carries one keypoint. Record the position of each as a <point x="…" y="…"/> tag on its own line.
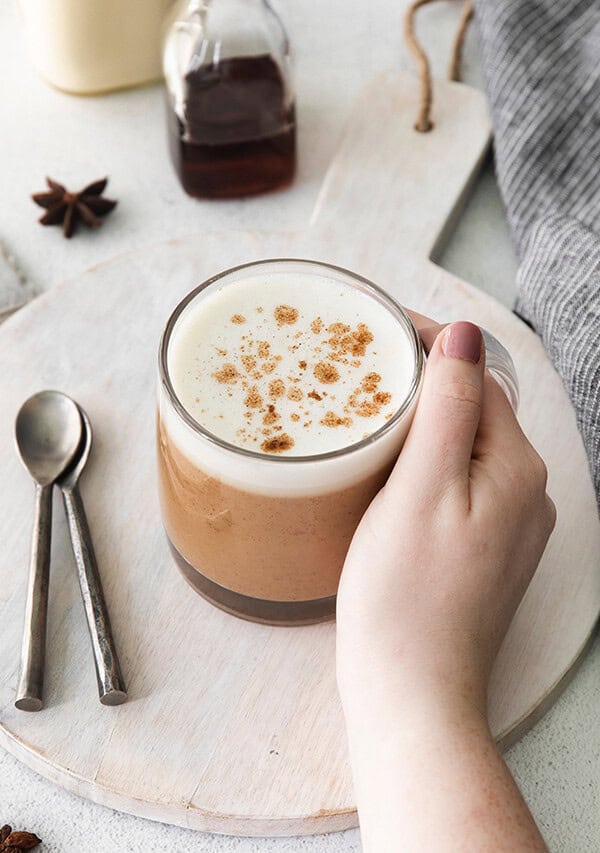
<point x="542" y="68"/>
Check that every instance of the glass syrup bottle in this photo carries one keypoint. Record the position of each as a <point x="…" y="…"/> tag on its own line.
<point x="230" y="102"/>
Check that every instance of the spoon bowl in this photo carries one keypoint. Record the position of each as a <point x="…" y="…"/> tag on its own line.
<point x="48" y="432"/>
<point x="71" y="475"/>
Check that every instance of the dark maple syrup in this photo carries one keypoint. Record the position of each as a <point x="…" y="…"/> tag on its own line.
<point x="237" y="135"/>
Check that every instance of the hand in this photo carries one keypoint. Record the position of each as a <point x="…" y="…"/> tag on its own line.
<point x="434" y="575"/>
<point x="446" y="550"/>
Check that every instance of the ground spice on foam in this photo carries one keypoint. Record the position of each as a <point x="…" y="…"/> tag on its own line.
<point x="345" y="345"/>
<point x="271" y="416"/>
<point x="278" y="444"/>
<point x="366" y="409"/>
<point x="227" y="375"/>
<point x="249" y="363"/>
<point x="370" y="382"/>
<point x="382" y="398"/>
<point x="344" y="341"/>
<point x="285" y="315"/>
<point x="253" y="399"/>
<point x="276" y="389"/>
<point x="326" y="373"/>
<point x="333" y="420"/>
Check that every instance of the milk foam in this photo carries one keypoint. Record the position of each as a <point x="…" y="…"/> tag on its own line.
<point x="290" y="364"/>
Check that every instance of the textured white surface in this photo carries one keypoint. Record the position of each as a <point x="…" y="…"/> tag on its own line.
<point x="338" y="46"/>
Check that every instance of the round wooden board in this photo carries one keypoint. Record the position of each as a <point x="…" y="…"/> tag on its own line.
<point x="231" y="727"/>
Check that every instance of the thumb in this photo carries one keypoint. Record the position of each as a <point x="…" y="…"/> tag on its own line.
<point x="440" y="441"/>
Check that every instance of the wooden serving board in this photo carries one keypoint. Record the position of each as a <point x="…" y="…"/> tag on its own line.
<point x="235" y="727"/>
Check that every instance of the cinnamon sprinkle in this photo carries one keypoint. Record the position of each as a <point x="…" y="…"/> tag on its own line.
<point x="227" y="375"/>
<point x="340" y="349"/>
<point x="249" y="363"/>
<point x="382" y="398"/>
<point x="271" y="418"/>
<point x="338" y="328"/>
<point x="326" y="373"/>
<point x="278" y="444"/>
<point x="285" y="315"/>
<point x="333" y="420"/>
<point x="344" y="341"/>
<point x="253" y="399"/>
<point x="367" y="409"/>
<point x="276" y="389"/>
<point x="370" y="382"/>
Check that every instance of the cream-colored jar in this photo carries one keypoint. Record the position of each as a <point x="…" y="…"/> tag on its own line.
<point x="92" y="46"/>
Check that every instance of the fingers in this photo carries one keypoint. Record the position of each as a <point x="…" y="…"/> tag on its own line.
<point x="427" y="328"/>
<point x="500" y="436"/>
<point x="420" y="320"/>
<point x="440" y="443"/>
<point x="428" y="334"/>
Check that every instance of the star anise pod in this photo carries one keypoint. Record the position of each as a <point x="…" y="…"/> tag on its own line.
<point x="66" y="208"/>
<point x="11" y="841"/>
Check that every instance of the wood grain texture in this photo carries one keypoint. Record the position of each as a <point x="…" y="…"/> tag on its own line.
<point x="235" y="727"/>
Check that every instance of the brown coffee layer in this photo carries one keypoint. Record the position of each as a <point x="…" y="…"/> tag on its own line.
<point x="278" y="549"/>
<point x="256" y="609"/>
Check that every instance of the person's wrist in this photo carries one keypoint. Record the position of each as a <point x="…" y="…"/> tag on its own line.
<point x="409" y="712"/>
<point x="380" y="688"/>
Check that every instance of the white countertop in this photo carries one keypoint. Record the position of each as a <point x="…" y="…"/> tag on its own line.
<point x="338" y="46"/>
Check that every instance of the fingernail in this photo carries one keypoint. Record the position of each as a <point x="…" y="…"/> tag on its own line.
<point x="463" y="340"/>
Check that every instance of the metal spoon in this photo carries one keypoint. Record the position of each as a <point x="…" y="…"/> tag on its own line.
<point x="48" y="432"/>
<point x="111" y="686"/>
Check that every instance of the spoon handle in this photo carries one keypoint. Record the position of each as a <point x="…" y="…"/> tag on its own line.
<point x="111" y="686"/>
<point x="33" y="649"/>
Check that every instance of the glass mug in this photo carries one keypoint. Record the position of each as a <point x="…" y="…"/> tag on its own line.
<point x="264" y="536"/>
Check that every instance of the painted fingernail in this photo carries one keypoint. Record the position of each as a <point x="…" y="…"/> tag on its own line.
<point x="464" y="341"/>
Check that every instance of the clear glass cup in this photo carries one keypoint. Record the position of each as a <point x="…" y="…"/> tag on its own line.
<point x="499" y="363"/>
<point x="264" y="537"/>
